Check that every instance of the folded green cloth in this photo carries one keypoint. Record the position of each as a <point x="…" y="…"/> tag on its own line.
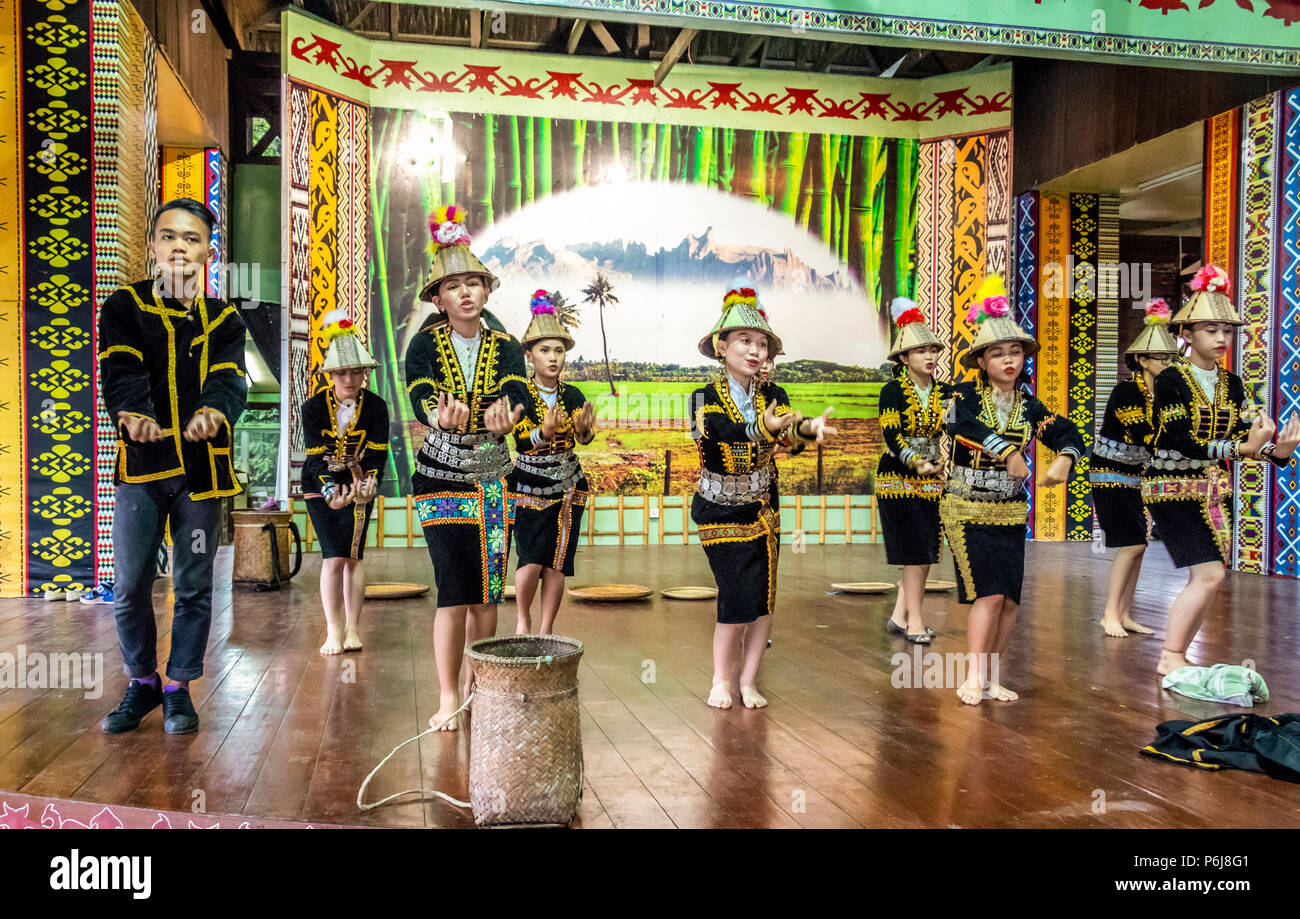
<point x="1228" y="683"/>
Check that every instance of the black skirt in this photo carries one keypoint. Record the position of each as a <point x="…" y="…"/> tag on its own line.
<point x="342" y="532"/>
<point x="1121" y="515"/>
<point x="988" y="544"/>
<point x="742" y="543"/>
<point x="912" y="530"/>
<point x="546" y="531"/>
<point x="467" y="530"/>
<point x="1186" y="532"/>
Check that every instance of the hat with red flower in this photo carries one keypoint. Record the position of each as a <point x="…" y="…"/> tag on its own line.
<point x="344" y="348"/>
<point x="741" y="309"/>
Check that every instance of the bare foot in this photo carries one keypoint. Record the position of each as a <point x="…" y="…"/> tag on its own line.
<point x="446" y="719"/>
<point x="752" y="697"/>
<point x="1113" y="627"/>
<point x="1000" y="693"/>
<point x="351" y="642"/>
<point x="720" y="696"/>
<point x="1134" y="626"/>
<point x="1171" y="661"/>
<point x="333" y="644"/>
<point x="970" y="692"/>
<point x="523" y="626"/>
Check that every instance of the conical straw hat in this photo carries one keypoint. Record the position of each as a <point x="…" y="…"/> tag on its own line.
<point x="346" y="350"/>
<point x="1154" y="337"/>
<point x="913" y="330"/>
<point x="990" y="314"/>
<point x="545" y="322"/>
<point x="451" y="252"/>
<point x="1209" y="301"/>
<point x="740" y="310"/>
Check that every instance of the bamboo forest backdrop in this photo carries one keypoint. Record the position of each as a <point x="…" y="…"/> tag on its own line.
<point x="850" y="199"/>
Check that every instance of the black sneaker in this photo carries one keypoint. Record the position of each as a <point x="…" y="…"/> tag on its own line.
<point x="140" y="699"/>
<point x="179" y="716"/>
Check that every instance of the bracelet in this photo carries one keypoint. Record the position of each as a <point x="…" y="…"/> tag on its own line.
<point x="1267" y="450"/>
<point x="327" y="490"/>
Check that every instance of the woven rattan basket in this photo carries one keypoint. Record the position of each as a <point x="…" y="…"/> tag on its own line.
<point x="525" y="748"/>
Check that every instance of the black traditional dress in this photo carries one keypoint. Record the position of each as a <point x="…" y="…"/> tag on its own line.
<point x="1119" y="454"/>
<point x="547" y="484"/>
<point x="202" y="365"/>
<point x="985" y="510"/>
<point x="913" y="428"/>
<point x="1186" y="486"/>
<point x="461" y="496"/>
<point x="337" y="458"/>
<point x="736" y="508"/>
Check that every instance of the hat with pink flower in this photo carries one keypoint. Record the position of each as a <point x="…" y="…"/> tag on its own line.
<point x="990" y="314"/>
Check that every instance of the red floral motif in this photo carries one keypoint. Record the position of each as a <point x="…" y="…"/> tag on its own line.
<point x="1286" y="10"/>
<point x="1164" y="6"/>
<point x="321" y="52"/>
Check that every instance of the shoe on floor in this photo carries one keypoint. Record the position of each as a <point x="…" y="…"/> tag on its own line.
<point x="54" y="593"/>
<point x="179" y="716"/>
<point x="140" y="699"/>
<point x="101" y="594"/>
<point x="73" y="594"/>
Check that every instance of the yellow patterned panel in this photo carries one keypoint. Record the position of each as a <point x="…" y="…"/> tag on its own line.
<point x="323" y="192"/>
<point x="182" y="173"/>
<point x="1053" y="332"/>
<point x="13" y="515"/>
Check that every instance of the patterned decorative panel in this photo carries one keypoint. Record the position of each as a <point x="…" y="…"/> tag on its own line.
<point x="1222" y="169"/>
<point x="1024" y="287"/>
<point x="58" y="282"/>
<point x="998" y="184"/>
<point x="925" y="229"/>
<point x="1256" y="300"/>
<point x="1107" y="359"/>
<point x="1053" y="331"/>
<point x="944" y="310"/>
<point x="13" y="517"/>
<point x="1082" y="372"/>
<point x="970" y="238"/>
<point x="299" y="270"/>
<point x="183" y="173"/>
<point x="214" y="196"/>
<point x="323" y="193"/>
<point x="1286" y="482"/>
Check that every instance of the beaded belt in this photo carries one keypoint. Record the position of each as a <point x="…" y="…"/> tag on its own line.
<point x="984" y="484"/>
<point x="1172" y="459"/>
<point x="469" y="457"/>
<point x="895" y="486"/>
<point x="1118" y="451"/>
<point x="734" y="489"/>
<point x="1097" y="477"/>
<point x="1211" y="489"/>
<point x="562" y="469"/>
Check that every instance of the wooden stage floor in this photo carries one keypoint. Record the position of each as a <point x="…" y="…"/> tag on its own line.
<point x="283" y="736"/>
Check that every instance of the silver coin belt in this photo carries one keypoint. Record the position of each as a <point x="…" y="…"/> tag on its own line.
<point x="1119" y="452"/>
<point x="927" y="448"/>
<point x="983" y="484"/>
<point x="734" y="489"/>
<point x="562" y="468"/>
<point x="1167" y="460"/>
<point x="468" y="457"/>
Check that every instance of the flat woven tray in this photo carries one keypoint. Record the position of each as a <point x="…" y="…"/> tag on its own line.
<point x="610" y="593"/>
<point x="864" y="587"/>
<point x="395" y="591"/>
<point x="940" y="585"/>
<point x="510" y="591"/>
<point x="690" y="593"/>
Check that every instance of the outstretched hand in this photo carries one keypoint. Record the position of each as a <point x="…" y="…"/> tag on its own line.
<point x="452" y="413"/>
<point x="584" y="423"/>
<point x="551" y="421"/>
<point x="777" y="423"/>
<point x="818" y="427"/>
<point x="1288" y="438"/>
<point x="500" y="419"/>
<point x="1261" y="433"/>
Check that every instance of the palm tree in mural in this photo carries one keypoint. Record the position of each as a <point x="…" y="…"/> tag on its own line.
<point x="565" y="311"/>
<point x="601" y="292"/>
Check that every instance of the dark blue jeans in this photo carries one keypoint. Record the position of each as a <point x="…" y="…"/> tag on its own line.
<point x="139" y="514"/>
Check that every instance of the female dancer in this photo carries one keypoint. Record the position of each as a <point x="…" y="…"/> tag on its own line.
<point x="547" y="484"/>
<point x="467" y="383"/>
<point x="737" y="422"/>
<point x="909" y="475"/>
<point x="1121" y="451"/>
<point x="984" y="509"/>
<point x="345" y="428"/>
<point x="1204" y="421"/>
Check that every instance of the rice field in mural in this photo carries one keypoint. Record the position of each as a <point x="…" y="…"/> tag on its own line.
<point x="640" y="228"/>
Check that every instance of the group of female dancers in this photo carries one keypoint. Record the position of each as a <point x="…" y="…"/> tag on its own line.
<point x="1164" y="438"/>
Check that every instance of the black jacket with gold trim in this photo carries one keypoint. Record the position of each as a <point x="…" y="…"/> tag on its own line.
<point x="982" y="443"/>
<point x="571" y="402"/>
<point x="432" y="368"/>
<point x="337" y="456"/>
<point x="162" y="361"/>
<point x="727" y="443"/>
<point x="1128" y="430"/>
<point x="1192" y="433"/>
<point x="913" y="432"/>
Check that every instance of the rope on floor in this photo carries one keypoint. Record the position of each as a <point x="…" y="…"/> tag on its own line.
<point x="423" y="796"/>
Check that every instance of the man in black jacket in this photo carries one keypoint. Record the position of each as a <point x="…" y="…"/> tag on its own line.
<point x="172" y="366"/>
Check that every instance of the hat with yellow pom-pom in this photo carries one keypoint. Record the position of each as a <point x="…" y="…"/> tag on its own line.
<point x="740" y="310"/>
<point x="990" y="314"/>
<point x="1154" y="337"/>
<point x="345" y="349"/>
<point x="451" y="252"/>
